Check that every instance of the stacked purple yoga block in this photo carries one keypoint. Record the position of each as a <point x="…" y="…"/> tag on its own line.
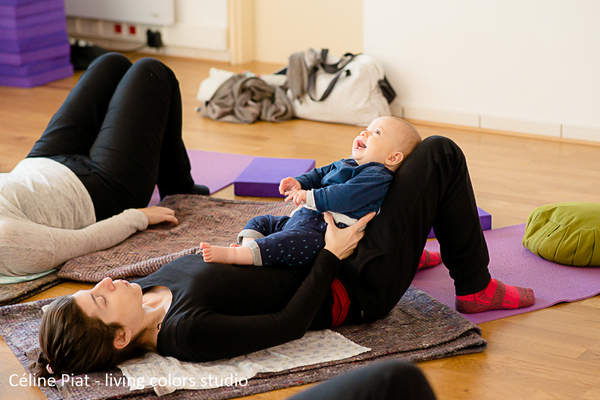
<point x="34" y="45"/>
<point x="262" y="176"/>
<point x="484" y="217"/>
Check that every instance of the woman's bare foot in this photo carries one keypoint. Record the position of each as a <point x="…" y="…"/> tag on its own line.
<point x="240" y="255"/>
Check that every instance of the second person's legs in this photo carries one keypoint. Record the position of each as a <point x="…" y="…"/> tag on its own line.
<point x="139" y="143"/>
<point x="431" y="189"/>
<point x="119" y="130"/>
<point x="74" y="127"/>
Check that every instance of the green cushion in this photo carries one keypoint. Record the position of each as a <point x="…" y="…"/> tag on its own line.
<point x="566" y="233"/>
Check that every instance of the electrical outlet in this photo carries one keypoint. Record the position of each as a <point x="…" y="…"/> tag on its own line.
<point x="108" y="31"/>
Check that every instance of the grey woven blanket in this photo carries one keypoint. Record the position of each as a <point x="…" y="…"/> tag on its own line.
<point x="200" y="218"/>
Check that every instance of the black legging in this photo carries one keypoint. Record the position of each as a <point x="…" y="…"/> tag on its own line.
<point x="119" y="130"/>
<point x="432" y="188"/>
<point x="385" y="380"/>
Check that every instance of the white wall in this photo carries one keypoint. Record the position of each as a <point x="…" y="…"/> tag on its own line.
<point x="200" y="27"/>
<point x="139" y="11"/>
<point x="529" y="66"/>
<point x="284" y="27"/>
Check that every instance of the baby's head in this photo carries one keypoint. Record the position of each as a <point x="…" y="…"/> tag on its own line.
<point x="387" y="140"/>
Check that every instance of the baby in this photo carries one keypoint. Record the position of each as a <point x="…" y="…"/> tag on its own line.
<point x="348" y="189"/>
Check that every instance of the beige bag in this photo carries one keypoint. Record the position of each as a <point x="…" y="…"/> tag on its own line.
<point x="351" y="90"/>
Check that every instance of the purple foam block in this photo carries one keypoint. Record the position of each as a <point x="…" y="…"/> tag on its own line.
<point x="28" y="32"/>
<point x="25" y="8"/>
<point x="262" y="176"/>
<point x="34" y="43"/>
<point x="18" y="2"/>
<point x="38" y="79"/>
<point x="484" y="217"/>
<point x="30" y="20"/>
<point x="34" y="68"/>
<point x="18" y="59"/>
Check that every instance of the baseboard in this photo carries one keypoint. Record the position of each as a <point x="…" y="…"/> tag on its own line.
<point x="187" y="52"/>
<point x="514" y="125"/>
<point x="581" y="133"/>
<point x="443" y="116"/>
<point x="498" y="124"/>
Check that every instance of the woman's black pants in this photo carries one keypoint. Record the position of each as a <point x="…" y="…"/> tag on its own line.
<point x="432" y="188"/>
<point x="119" y="130"/>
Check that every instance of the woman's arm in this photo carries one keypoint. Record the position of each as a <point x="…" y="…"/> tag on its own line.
<point x="218" y="336"/>
<point x="29" y="248"/>
<point x="157" y="215"/>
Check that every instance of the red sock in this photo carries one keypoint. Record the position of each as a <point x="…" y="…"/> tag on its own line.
<point x="429" y="259"/>
<point x="497" y="296"/>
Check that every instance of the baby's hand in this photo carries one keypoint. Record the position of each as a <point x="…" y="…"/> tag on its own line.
<point x="288" y="185"/>
<point x="299" y="197"/>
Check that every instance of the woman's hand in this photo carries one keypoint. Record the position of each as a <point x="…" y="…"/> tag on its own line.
<point x="156" y="215"/>
<point x="342" y="242"/>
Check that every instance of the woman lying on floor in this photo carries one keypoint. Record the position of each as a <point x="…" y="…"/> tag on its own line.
<point x="87" y="181"/>
<point x="197" y="311"/>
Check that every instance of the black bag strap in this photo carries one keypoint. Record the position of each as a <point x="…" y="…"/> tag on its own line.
<point x="336" y="68"/>
<point x="386" y="88"/>
<point x="327" y="92"/>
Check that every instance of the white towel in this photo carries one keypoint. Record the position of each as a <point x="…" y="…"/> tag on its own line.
<point x="209" y="85"/>
<point x="167" y="374"/>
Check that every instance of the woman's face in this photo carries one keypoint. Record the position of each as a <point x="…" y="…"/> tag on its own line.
<point x="114" y="301"/>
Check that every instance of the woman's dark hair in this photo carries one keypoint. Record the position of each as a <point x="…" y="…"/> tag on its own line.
<point x="72" y="342"/>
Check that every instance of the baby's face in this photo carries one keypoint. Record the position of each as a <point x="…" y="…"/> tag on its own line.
<point x="379" y="141"/>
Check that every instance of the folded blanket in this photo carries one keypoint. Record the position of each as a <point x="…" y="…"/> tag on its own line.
<point x="167" y="374"/>
<point x="16" y="292"/>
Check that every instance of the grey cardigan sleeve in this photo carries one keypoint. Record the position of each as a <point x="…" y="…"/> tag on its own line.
<point x="29" y="248"/>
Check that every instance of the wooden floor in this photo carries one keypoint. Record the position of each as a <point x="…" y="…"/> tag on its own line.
<point x="548" y="354"/>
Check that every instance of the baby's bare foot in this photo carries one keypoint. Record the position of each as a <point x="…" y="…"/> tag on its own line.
<point x="227" y="255"/>
<point x="212" y="253"/>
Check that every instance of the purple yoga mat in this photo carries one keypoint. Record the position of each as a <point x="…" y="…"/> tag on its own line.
<point x="513" y="264"/>
<point x="214" y="170"/>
